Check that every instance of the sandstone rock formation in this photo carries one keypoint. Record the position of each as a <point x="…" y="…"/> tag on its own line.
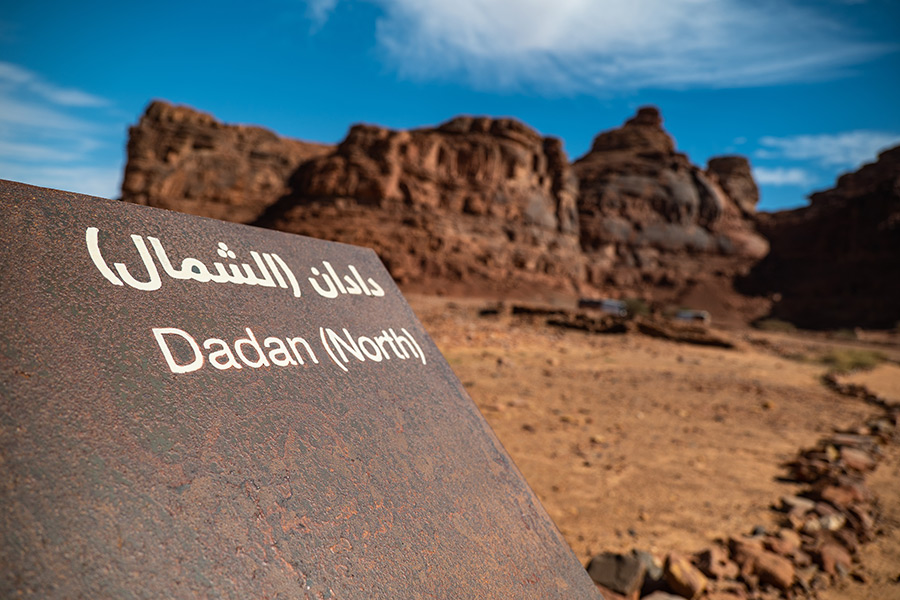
<point x="185" y="160"/>
<point x="836" y="262"/>
<point x="733" y="174"/>
<point x="475" y="205"/>
<point x="653" y="224"/>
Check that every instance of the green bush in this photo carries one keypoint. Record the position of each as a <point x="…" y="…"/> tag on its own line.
<point x="637" y="307"/>
<point x="844" y="334"/>
<point x="844" y="360"/>
<point x="775" y="325"/>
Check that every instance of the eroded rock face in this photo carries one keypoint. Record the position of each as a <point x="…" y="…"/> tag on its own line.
<point x="836" y="262"/>
<point x="650" y="219"/>
<point x="475" y="204"/>
<point x="734" y="176"/>
<point x="185" y="160"/>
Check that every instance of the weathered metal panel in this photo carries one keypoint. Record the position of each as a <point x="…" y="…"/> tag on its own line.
<point x="123" y="477"/>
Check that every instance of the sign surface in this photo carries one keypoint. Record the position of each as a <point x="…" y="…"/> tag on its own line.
<point x="197" y="409"/>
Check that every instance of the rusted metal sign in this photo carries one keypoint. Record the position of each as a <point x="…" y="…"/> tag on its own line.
<point x="197" y="409"/>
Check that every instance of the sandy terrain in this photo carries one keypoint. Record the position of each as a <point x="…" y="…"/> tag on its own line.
<point x="636" y="442"/>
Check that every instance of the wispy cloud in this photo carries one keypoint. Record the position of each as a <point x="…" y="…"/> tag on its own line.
<point x="16" y="76"/>
<point x="55" y="136"/>
<point x="783" y="176"/>
<point x="584" y="46"/>
<point x="102" y="181"/>
<point x="848" y="149"/>
<point x="318" y="11"/>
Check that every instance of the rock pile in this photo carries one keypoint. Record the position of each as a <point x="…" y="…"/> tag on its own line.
<point x="821" y="532"/>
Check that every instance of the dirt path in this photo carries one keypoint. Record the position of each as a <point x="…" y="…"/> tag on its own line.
<point x="635" y="442"/>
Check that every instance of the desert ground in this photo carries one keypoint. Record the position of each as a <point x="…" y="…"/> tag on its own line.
<point x="635" y="442"/>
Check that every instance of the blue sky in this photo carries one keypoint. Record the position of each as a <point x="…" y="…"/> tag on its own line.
<point x="807" y="90"/>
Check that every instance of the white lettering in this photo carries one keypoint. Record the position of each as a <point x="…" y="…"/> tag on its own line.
<point x="160" y="332"/>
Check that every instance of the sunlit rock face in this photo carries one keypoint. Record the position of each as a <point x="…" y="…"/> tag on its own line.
<point x="480" y="203"/>
<point x="186" y="160"/>
<point x="476" y="205"/>
<point x="652" y="223"/>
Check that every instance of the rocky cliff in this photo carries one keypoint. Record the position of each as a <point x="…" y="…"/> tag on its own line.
<point x="654" y="225"/>
<point x="185" y="160"/>
<point x="836" y="262"/>
<point x="475" y="205"/>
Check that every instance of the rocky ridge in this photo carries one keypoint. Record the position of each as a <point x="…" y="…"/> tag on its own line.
<point x="475" y="206"/>
<point x="836" y="262"/>
<point x="655" y="225"/>
<point x="185" y="160"/>
<point x="489" y="207"/>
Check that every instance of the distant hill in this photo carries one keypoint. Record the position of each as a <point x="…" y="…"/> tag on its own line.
<point x="489" y="207"/>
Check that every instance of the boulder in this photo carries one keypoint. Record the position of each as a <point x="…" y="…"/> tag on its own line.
<point x="621" y="573"/>
<point x="683" y="578"/>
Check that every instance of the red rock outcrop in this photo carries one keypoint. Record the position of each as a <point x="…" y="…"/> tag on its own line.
<point x="836" y="262"/>
<point x="185" y="160"/>
<point x="475" y="205"/>
<point x="734" y="175"/>
<point x="655" y="225"/>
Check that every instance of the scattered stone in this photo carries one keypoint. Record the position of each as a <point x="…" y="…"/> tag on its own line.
<point x="866" y="442"/>
<point x="608" y="594"/>
<point x="743" y="550"/>
<point x="833" y="522"/>
<point x="623" y="574"/>
<point x="858" y="460"/>
<point x="812" y="526"/>
<point x="823" y="509"/>
<point x="683" y="578"/>
<point x="797" y="504"/>
<point x="730" y="594"/>
<point x="847" y="539"/>
<point x="768" y="567"/>
<point x="653" y="573"/>
<point x="775" y="570"/>
<point x="782" y="547"/>
<point x="834" y="514"/>
<point x="845" y="495"/>
<point x="791" y="538"/>
<point x="715" y="564"/>
<point x="833" y="556"/>
<point x="660" y="595"/>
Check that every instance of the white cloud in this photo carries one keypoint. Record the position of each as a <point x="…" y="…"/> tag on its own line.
<point x="56" y="137"/>
<point x="782" y="176"/>
<point x="318" y="11"/>
<point x="91" y="180"/>
<point x="847" y="149"/>
<point x="574" y="46"/>
<point x="20" y="77"/>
